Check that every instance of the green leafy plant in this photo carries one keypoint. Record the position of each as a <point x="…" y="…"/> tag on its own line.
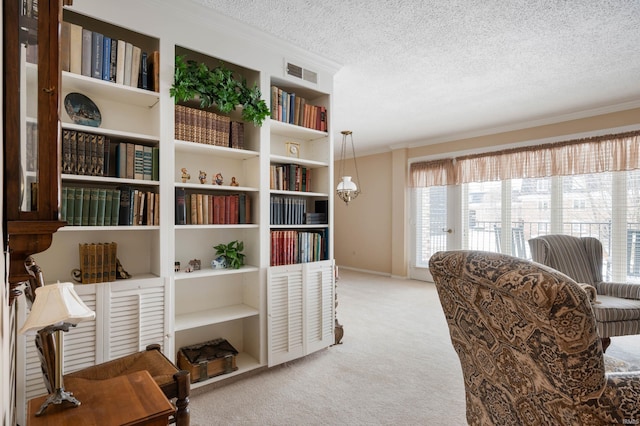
<point x="217" y="86"/>
<point x="232" y="253"/>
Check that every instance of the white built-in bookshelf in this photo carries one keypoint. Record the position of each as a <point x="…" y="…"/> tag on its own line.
<point x="258" y="307"/>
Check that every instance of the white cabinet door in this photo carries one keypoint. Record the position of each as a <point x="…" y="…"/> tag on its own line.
<point x="319" y="305"/>
<point x="301" y="310"/>
<point x="285" y="316"/>
<point x="136" y="316"/>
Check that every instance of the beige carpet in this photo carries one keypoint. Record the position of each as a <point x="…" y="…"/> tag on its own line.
<point x="396" y="366"/>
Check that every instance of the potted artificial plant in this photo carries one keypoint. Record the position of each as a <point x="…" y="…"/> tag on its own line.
<point x="229" y="255"/>
<point x="217" y="86"/>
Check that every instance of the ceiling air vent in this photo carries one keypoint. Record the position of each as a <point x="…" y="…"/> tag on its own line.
<point x="301" y="73"/>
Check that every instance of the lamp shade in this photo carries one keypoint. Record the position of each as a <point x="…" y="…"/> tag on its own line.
<point x="55" y="304"/>
<point x="346" y="184"/>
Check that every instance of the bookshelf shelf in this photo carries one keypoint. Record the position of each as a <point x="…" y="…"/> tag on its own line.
<point x="108" y="90"/>
<point x="195" y="147"/>
<point x="123" y="228"/>
<point x="214" y="316"/>
<point x="109" y="180"/>
<point x="132" y="136"/>
<point x="299" y="193"/>
<point x="210" y="187"/>
<point x="302" y="162"/>
<point x="294" y="131"/>
<point x="208" y="272"/>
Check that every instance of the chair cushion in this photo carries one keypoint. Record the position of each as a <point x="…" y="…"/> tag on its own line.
<point x="616" y="309"/>
<point x="160" y="368"/>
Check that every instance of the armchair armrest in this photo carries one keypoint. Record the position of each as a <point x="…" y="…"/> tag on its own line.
<point x="619" y="400"/>
<point x="623" y="290"/>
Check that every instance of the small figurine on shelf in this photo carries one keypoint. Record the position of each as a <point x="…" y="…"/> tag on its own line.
<point x="218" y="179"/>
<point x="202" y="176"/>
<point x="195" y="264"/>
<point x="185" y="175"/>
<point x="176" y="266"/>
<point x="234" y="182"/>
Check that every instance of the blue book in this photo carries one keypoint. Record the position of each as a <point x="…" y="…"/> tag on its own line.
<point x="106" y="58"/>
<point x="96" y="54"/>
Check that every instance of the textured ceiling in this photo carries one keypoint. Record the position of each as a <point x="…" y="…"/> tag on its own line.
<point x="419" y="72"/>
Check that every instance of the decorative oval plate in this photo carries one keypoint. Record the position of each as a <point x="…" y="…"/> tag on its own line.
<point x="82" y="110"/>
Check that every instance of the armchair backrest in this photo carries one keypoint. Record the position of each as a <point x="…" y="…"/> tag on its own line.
<point x="525" y="336"/>
<point x="578" y="257"/>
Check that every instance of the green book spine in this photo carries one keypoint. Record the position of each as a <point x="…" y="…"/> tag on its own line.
<point x="115" y="207"/>
<point x="107" y="207"/>
<point x="93" y="208"/>
<point x="77" y="208"/>
<point x="155" y="172"/>
<point x="147" y="162"/>
<point x="86" y="204"/>
<point x="71" y="202"/>
<point x="138" y="165"/>
<point x="102" y="202"/>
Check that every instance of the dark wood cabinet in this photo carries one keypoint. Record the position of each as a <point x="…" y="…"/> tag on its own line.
<point x="31" y="130"/>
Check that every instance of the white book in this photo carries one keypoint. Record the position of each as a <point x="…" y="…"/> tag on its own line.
<point x="128" y="54"/>
<point x="75" y="49"/>
<point x="120" y="60"/>
<point x="136" y="54"/>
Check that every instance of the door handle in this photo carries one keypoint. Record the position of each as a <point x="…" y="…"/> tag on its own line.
<point x="448" y="231"/>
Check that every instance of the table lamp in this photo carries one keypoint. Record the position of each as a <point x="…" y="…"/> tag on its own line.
<point x="57" y="307"/>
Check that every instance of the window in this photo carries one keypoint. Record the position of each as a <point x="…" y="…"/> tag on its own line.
<point x="501" y="214"/>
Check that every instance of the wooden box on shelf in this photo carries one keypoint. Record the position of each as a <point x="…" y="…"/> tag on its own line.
<point x="208" y="359"/>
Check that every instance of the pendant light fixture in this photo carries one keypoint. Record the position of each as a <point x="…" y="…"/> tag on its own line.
<point x="348" y="188"/>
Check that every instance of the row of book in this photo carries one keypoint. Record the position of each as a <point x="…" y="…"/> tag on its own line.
<point x="98" y="262"/>
<point x="288" y="210"/>
<point x="93" y="54"/>
<point x="136" y="161"/>
<point x="90" y="206"/>
<point x="294" y="109"/>
<point x="290" y="247"/>
<point x="85" y="153"/>
<point x="124" y="206"/>
<point x="197" y="125"/>
<point x="289" y="177"/>
<point x="212" y="209"/>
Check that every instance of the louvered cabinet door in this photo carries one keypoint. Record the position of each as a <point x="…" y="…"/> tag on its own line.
<point x="136" y="316"/>
<point x="319" y="309"/>
<point x="285" y="319"/>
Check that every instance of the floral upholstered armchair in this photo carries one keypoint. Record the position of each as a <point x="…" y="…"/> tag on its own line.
<point x="528" y="346"/>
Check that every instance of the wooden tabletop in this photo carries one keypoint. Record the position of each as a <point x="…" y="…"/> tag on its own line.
<point x="133" y="399"/>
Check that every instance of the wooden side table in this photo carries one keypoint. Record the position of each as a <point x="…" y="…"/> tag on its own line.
<point x="133" y="399"/>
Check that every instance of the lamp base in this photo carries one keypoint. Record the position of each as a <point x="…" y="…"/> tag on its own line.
<point x="58" y="397"/>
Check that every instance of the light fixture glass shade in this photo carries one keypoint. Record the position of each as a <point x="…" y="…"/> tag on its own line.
<point x="347" y="189"/>
<point x="55" y="304"/>
<point x="346" y="184"/>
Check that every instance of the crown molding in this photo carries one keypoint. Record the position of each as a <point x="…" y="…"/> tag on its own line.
<point x="594" y="112"/>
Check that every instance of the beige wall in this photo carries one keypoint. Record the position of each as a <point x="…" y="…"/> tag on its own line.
<point x="363" y="228"/>
<point x="372" y="232"/>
